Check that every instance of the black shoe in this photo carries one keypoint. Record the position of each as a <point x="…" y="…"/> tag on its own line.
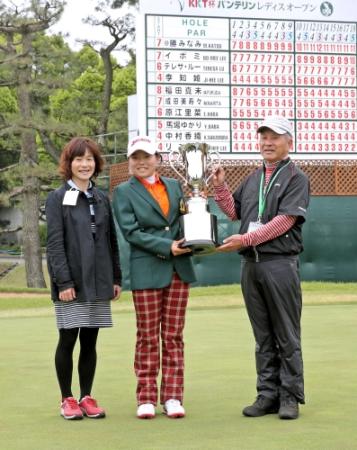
<point x="261" y="406"/>
<point x="289" y="407"/>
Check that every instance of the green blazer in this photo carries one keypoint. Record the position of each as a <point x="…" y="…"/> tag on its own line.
<point x="150" y="234"/>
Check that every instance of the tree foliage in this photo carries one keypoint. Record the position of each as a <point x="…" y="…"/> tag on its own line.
<point x="20" y="25"/>
<point x="49" y="93"/>
<point x="121" y="30"/>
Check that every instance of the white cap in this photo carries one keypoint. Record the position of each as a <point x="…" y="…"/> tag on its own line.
<point x="278" y="124"/>
<point x="144" y="143"/>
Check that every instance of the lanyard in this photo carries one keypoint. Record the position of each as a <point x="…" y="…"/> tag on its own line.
<point x="263" y="192"/>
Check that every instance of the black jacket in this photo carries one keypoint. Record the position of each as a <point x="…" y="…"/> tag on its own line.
<point x="74" y="258"/>
<point x="289" y="195"/>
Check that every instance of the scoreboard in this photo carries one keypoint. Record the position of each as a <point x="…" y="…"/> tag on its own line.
<point x="213" y="73"/>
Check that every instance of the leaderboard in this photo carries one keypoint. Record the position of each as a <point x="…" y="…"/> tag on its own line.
<point x="213" y="79"/>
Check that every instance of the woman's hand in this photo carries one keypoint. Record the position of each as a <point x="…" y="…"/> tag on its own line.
<point x="176" y="250"/>
<point x="67" y="295"/>
<point x="117" y="292"/>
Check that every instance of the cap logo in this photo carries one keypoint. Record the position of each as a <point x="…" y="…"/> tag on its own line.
<point x="140" y="140"/>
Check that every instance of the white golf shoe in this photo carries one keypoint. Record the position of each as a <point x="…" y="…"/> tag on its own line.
<point x="146" y="411"/>
<point x="174" y="409"/>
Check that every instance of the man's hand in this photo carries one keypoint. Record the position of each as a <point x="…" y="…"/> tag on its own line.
<point x="218" y="175"/>
<point x="231" y="243"/>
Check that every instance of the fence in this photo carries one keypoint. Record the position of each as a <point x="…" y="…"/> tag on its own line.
<point x="329" y="233"/>
<point x="327" y="177"/>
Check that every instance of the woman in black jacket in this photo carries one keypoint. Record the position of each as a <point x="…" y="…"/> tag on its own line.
<point x="83" y="264"/>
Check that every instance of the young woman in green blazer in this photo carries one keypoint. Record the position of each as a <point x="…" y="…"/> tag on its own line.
<point x="147" y="209"/>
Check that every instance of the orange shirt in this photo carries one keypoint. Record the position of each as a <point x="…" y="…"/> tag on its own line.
<point x="158" y="191"/>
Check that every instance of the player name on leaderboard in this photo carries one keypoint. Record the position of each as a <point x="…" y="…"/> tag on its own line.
<point x="213" y="79"/>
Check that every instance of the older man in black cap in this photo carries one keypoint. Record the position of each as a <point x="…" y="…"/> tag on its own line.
<point x="271" y="204"/>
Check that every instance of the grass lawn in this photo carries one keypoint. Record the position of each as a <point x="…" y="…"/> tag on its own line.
<point x="16" y="299"/>
<point x="220" y="379"/>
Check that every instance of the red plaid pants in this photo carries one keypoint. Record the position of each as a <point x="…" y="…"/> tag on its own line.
<point x="160" y="310"/>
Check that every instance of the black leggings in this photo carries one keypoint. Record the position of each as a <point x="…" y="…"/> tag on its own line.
<point x="86" y="363"/>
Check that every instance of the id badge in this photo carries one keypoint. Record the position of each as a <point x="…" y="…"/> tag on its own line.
<point x="70" y="197"/>
<point x="254" y="226"/>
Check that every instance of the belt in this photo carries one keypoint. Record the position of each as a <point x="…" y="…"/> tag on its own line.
<point x="268" y="257"/>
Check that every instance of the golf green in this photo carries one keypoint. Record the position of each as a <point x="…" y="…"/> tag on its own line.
<point x="220" y="381"/>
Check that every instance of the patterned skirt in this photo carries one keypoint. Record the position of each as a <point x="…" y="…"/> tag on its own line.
<point x="93" y="314"/>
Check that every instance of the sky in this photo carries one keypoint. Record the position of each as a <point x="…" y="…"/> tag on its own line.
<point x="71" y="24"/>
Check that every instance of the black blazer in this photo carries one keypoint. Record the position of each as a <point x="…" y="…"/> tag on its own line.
<point x="74" y="258"/>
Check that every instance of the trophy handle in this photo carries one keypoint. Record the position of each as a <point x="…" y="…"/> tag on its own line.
<point x="172" y="163"/>
<point x="210" y="162"/>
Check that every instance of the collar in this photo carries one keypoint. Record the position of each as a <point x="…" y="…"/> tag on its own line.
<point x="147" y="184"/>
<point x="276" y="164"/>
<point x="271" y="165"/>
<point x="74" y="186"/>
<point x="90" y="192"/>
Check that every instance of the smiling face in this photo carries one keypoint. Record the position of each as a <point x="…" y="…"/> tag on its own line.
<point x="274" y="147"/>
<point x="83" y="168"/>
<point x="143" y="165"/>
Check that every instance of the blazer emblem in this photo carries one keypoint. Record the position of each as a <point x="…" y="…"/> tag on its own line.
<point x="183" y="206"/>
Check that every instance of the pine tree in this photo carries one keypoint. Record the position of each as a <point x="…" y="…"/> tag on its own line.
<point x="20" y="26"/>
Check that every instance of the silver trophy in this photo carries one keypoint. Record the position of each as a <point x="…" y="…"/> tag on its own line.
<point x="198" y="224"/>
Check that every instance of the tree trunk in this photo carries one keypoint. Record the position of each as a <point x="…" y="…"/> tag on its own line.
<point x="50" y="148"/>
<point x="31" y="184"/>
<point x="107" y="92"/>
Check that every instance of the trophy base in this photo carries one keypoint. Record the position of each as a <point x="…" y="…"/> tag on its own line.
<point x="200" y="232"/>
<point x="200" y="246"/>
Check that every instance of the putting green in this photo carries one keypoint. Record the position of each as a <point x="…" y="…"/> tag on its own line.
<point x="220" y="380"/>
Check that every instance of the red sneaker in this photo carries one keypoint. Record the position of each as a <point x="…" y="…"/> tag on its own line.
<point x="90" y="408"/>
<point x="70" y="409"/>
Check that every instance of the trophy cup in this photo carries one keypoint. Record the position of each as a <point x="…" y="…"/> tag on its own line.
<point x="198" y="224"/>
